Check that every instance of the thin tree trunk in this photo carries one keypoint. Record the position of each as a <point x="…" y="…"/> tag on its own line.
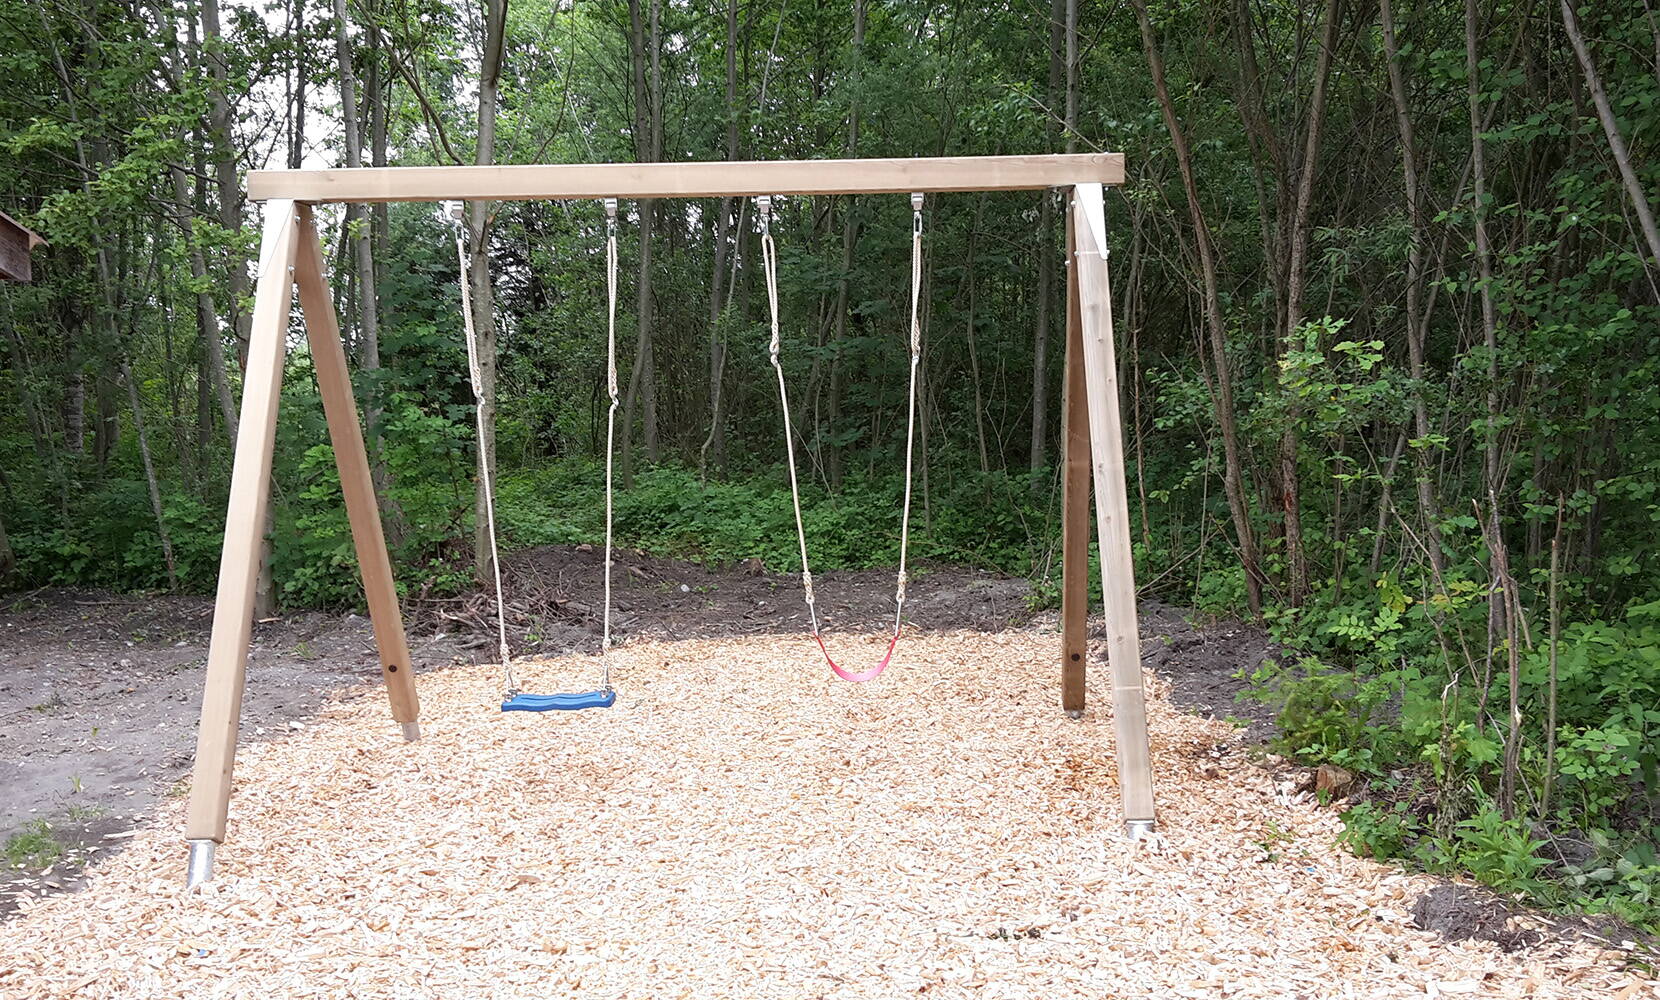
<point x="723" y="223"/>
<point x="1555" y="637"/>
<point x="359" y="227"/>
<point x="207" y="311"/>
<point x="973" y="337"/>
<point x="1484" y="254"/>
<point x="648" y="386"/>
<point x="478" y="276"/>
<point x="378" y="95"/>
<point x="1504" y="592"/>
<point x="1062" y="14"/>
<point x="1416" y="318"/>
<point x="296" y="135"/>
<point x="1296" y="557"/>
<point x="850" y="239"/>
<point x="644" y="149"/>
<point x="1233" y="459"/>
<point x="226" y="181"/>
<point x="1040" y="338"/>
<point x="150" y="475"/>
<point x="1640" y="203"/>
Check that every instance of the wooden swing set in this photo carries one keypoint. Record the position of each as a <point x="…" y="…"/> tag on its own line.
<point x="291" y="257"/>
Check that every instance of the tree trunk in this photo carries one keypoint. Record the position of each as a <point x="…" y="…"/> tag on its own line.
<point x="359" y="228"/>
<point x="973" y="341"/>
<point x="645" y="117"/>
<point x="296" y="34"/>
<point x="1416" y="318"/>
<point x="223" y="142"/>
<point x="1040" y="337"/>
<point x="1062" y="29"/>
<point x="1640" y="203"/>
<point x="150" y="475"/>
<point x="648" y="386"/>
<point x="207" y="311"/>
<point x="1233" y="477"/>
<point x="1484" y="254"/>
<point x="716" y="440"/>
<point x="850" y="239"/>
<point x="1296" y="557"/>
<point x="478" y="277"/>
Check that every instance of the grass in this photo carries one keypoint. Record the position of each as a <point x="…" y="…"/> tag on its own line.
<point x="33" y="847"/>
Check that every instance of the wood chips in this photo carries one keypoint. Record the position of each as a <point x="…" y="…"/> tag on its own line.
<point x="743" y="825"/>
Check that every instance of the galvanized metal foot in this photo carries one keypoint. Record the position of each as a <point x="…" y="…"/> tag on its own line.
<point x="1074" y="713"/>
<point x="411" y="731"/>
<point x="1138" y="829"/>
<point x="200" y="868"/>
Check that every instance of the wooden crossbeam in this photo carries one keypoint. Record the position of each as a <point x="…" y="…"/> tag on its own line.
<point x="700" y="179"/>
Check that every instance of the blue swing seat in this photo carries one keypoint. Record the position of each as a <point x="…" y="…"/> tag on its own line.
<point x="576" y="701"/>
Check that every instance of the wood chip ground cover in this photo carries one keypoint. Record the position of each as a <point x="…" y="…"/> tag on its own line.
<point x="742" y="825"/>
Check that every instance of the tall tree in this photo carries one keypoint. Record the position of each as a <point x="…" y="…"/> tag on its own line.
<point x="1233" y="460"/>
<point x="850" y="243"/>
<point x="1635" y="195"/>
<point x="359" y="234"/>
<point x="644" y="51"/>
<point x="1483" y="244"/>
<point x="1417" y="319"/>
<point x="478" y="275"/>
<point x="1062" y="29"/>
<point x="716" y="439"/>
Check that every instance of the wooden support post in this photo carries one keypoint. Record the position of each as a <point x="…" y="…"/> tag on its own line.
<point x="1074" y="501"/>
<point x="1112" y="507"/>
<point x="227" y="661"/>
<point x="328" y="356"/>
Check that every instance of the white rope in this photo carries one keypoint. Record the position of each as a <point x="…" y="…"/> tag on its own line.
<point x="475" y="369"/>
<point x="769" y="267"/>
<point x="910" y="419"/>
<point x="610" y="416"/>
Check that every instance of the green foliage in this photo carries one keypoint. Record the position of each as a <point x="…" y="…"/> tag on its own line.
<point x="35" y="846"/>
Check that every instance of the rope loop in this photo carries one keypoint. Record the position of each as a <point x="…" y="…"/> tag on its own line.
<point x="769" y="267"/>
<point x="475" y="369"/>
<point x="610" y="422"/>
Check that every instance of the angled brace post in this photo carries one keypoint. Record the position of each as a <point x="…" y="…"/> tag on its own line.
<point x="250" y="494"/>
<point x="1112" y="508"/>
<point x="334" y="384"/>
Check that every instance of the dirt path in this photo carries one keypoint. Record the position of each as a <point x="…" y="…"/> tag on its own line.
<point x="741" y="824"/>
<point x="99" y="693"/>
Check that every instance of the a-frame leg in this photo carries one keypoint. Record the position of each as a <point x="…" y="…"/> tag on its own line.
<point x="328" y="356"/>
<point x="1074" y="504"/>
<point x="1112" y="507"/>
<point x="233" y="608"/>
